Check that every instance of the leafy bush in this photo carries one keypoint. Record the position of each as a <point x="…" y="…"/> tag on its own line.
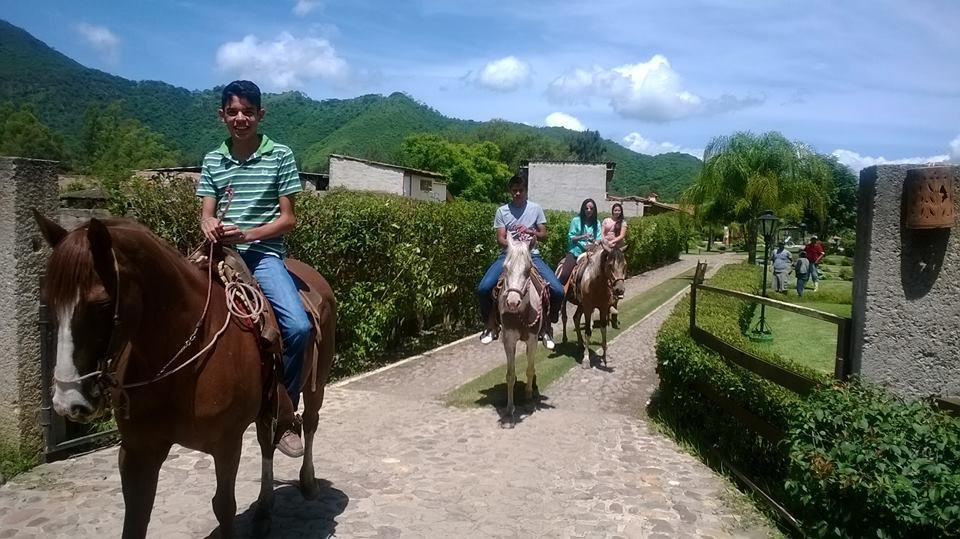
<point x="838" y="260"/>
<point x="854" y="462"/>
<point x="846" y="274"/>
<point x="866" y="464"/>
<point x="398" y="267"/>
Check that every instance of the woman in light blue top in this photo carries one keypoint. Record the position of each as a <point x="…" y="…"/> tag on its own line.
<point x="584" y="230"/>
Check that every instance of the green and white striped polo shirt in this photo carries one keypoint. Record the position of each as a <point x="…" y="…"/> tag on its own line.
<point x="258" y="183"/>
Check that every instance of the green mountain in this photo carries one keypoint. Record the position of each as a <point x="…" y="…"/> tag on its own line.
<point x="61" y="90"/>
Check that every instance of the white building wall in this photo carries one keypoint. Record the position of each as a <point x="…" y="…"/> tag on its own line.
<point x="365" y="177"/>
<point x="437" y="191"/>
<point x="564" y="186"/>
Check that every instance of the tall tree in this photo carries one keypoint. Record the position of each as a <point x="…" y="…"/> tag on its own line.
<point x="23" y="135"/>
<point x="587" y="146"/>
<point x="841" y="212"/>
<point x="474" y="171"/>
<point x="115" y="146"/>
<point x="745" y="174"/>
<point x="518" y="144"/>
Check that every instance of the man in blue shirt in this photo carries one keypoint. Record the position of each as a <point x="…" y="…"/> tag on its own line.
<point x="519" y="217"/>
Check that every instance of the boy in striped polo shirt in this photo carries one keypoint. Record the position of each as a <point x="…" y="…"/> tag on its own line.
<point x="264" y="179"/>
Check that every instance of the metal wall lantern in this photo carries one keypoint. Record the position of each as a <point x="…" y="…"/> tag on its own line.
<point x="929" y="198"/>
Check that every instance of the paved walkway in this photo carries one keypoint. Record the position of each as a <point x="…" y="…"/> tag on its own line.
<point x="395" y="462"/>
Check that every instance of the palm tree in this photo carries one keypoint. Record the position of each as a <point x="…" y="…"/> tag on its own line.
<point x="744" y="174"/>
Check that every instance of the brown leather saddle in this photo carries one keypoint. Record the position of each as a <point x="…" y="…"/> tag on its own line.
<point x="230" y="267"/>
<point x="571" y="289"/>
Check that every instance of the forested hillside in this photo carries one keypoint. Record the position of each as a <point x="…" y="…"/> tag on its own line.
<point x="60" y="91"/>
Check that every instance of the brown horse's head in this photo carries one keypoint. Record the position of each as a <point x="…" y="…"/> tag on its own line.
<point x="83" y="287"/>
<point x="615" y="267"/>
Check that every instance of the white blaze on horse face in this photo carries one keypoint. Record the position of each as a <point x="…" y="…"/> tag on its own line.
<point x="68" y="398"/>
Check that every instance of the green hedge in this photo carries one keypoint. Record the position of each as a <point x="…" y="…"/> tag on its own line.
<point x="398" y="267"/>
<point x="855" y="462"/>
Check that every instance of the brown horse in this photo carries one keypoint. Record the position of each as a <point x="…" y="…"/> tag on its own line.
<point x="134" y="334"/>
<point x="594" y="284"/>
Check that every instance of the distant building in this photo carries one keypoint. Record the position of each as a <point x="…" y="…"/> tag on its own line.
<point x="365" y="175"/>
<point x="564" y="185"/>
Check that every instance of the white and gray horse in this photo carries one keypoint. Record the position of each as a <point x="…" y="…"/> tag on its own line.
<point x="521" y="315"/>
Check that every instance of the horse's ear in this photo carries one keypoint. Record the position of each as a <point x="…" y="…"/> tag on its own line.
<point x="101" y="247"/>
<point x="52" y="232"/>
<point x="624" y="247"/>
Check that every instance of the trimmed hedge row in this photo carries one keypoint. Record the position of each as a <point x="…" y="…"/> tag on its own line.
<point x="398" y="266"/>
<point x="854" y="462"/>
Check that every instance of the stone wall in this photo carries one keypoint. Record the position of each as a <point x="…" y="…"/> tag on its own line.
<point x="362" y="176"/>
<point x="564" y="186"/>
<point x="24" y="184"/>
<point x="906" y="333"/>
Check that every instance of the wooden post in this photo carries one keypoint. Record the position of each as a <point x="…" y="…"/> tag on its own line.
<point x="842" y="367"/>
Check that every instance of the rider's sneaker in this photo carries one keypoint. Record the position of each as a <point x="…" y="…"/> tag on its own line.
<point x="548" y="340"/>
<point x="290" y="444"/>
<point x="486" y="337"/>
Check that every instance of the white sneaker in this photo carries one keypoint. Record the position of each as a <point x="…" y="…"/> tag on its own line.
<point x="548" y="341"/>
<point x="486" y="337"/>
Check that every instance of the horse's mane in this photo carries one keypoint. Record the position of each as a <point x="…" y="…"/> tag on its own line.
<point x="71" y="268"/>
<point x="594" y="267"/>
<point x="517" y="255"/>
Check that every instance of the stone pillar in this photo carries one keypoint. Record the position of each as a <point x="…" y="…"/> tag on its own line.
<point x="24" y="184"/>
<point x="906" y="292"/>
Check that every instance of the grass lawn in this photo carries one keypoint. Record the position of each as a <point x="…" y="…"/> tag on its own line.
<point x="802" y="339"/>
<point x="491" y="388"/>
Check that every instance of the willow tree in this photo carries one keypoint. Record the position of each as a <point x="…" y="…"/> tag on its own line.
<point x="744" y="174"/>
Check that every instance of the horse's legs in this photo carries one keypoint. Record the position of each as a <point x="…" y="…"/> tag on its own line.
<point x="510" y="347"/>
<point x="531" y="368"/>
<point x="139" y="468"/>
<point x="563" y="316"/>
<point x="311" y="418"/>
<point x="588" y="328"/>
<point x="577" y="315"/>
<point x="226" y="461"/>
<point x="604" y="315"/>
<point x="263" y="515"/>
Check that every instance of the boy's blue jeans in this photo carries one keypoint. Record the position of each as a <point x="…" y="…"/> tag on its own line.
<point x="278" y="286"/>
<point x="489" y="281"/>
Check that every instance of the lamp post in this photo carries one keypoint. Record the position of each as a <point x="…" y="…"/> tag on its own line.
<point x="768" y="227"/>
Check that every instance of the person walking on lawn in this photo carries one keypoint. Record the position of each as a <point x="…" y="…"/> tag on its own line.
<point x="781" y="259"/>
<point x="802" y="268"/>
<point x="815" y="253"/>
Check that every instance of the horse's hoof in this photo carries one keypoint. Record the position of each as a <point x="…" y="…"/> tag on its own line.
<point x="602" y="353"/>
<point x="309" y="489"/>
<point x="507" y="423"/>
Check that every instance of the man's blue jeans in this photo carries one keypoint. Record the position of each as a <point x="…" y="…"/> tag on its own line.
<point x="489" y="281"/>
<point x="278" y="286"/>
<point x="814" y="273"/>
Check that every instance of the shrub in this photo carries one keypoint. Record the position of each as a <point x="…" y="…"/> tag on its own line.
<point x="846" y="274"/>
<point x="854" y="461"/>
<point x="397" y="266"/>
<point x="864" y="463"/>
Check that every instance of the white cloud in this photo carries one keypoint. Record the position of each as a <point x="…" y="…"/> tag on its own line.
<point x="649" y="91"/>
<point x="638" y="143"/>
<point x="504" y="75"/>
<point x="955" y="150"/>
<point x="101" y="39"/>
<point x="559" y="119"/>
<point x="303" y="7"/>
<point x="286" y="62"/>
<point x="856" y="162"/>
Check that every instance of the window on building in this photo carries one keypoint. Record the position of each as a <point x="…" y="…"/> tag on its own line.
<point x="426" y="185"/>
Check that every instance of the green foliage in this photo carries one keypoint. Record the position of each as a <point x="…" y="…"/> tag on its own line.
<point x="841" y="214"/>
<point x="519" y="143"/>
<point x="587" y="146"/>
<point x="866" y="464"/>
<point x="22" y="135"/>
<point x="369" y="126"/>
<point x="745" y="174"/>
<point x="473" y="171"/>
<point x="655" y="241"/>
<point x="166" y="204"/>
<point x="855" y="462"/>
<point x="15" y="461"/>
<point x="114" y="146"/>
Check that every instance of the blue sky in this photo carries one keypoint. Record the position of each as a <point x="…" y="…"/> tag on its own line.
<point x="870" y="81"/>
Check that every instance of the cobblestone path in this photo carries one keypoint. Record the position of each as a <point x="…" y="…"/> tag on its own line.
<point x="395" y="462"/>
